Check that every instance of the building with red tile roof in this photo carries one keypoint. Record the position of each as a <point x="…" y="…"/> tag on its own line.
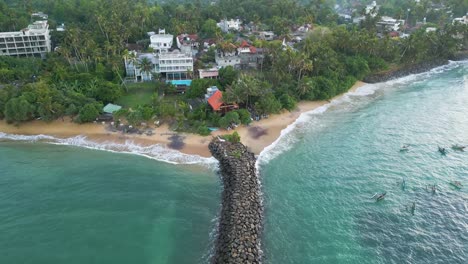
<point x="216" y="102"/>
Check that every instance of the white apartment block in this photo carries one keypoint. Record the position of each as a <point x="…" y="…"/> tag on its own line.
<point x="173" y="65"/>
<point x="31" y="41"/>
<point x="174" y="62"/>
<point x="161" y="42"/>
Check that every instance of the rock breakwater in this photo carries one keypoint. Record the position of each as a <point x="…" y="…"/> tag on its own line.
<point x="240" y="223"/>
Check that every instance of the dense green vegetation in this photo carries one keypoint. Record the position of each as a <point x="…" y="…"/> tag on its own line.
<point x="433" y="10"/>
<point x="87" y="71"/>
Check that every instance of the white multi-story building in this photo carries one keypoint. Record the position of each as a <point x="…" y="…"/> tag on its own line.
<point x="133" y="69"/>
<point x="461" y="20"/>
<point x="31" y="41"/>
<point x="161" y="42"/>
<point x="174" y="66"/>
<point x="225" y="58"/>
<point x="229" y="25"/>
<point x="390" y="24"/>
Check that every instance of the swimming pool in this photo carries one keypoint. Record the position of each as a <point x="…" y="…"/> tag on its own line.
<point x="180" y="82"/>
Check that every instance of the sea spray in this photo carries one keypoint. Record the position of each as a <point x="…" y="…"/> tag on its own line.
<point x="289" y="136"/>
<point x="317" y="193"/>
<point x="157" y="151"/>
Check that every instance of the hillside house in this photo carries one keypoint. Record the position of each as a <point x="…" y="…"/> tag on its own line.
<point x="208" y="73"/>
<point x="161" y="42"/>
<point x="230" y="25"/>
<point x="188" y="43"/>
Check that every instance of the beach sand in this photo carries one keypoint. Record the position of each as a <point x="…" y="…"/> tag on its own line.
<point x="257" y="136"/>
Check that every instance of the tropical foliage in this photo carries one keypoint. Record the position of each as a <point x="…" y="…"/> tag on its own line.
<point x="87" y="70"/>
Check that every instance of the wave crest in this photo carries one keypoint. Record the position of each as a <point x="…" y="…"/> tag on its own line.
<point x="287" y="139"/>
<point x="157" y="152"/>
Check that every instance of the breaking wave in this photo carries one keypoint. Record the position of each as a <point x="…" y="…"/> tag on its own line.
<point x="291" y="134"/>
<point x="157" y="152"/>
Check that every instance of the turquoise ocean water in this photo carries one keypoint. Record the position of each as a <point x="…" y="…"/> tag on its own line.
<point x="65" y="204"/>
<point x="62" y="204"/>
<point x="319" y="178"/>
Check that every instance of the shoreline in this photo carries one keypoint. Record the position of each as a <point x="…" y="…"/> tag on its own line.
<point x="257" y="136"/>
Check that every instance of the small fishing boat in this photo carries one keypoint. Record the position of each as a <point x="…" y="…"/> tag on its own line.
<point x="411" y="208"/>
<point x="379" y="197"/>
<point x="442" y="151"/>
<point x="405" y="148"/>
<point x="458" y="147"/>
<point x="456" y="184"/>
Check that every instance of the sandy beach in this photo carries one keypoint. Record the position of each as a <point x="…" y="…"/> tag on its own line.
<point x="256" y="136"/>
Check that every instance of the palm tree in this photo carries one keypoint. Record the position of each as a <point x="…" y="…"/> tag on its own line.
<point x="116" y="65"/>
<point x="304" y="86"/>
<point x="131" y="58"/>
<point x="189" y="73"/>
<point x="145" y="66"/>
<point x="305" y="65"/>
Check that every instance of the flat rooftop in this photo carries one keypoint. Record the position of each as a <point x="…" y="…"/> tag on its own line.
<point x="36" y="28"/>
<point x="162" y="37"/>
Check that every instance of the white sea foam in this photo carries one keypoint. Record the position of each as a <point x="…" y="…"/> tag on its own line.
<point x="156" y="152"/>
<point x="287" y="139"/>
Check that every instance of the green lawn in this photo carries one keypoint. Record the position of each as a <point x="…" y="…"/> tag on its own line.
<point x="138" y="94"/>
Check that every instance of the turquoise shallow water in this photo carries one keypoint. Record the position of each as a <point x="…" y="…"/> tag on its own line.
<point x="61" y="204"/>
<point x="318" y="189"/>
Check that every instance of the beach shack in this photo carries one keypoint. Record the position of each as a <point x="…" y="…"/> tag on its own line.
<point x="111" y="108"/>
<point x="216" y="102"/>
<point x="108" y="110"/>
